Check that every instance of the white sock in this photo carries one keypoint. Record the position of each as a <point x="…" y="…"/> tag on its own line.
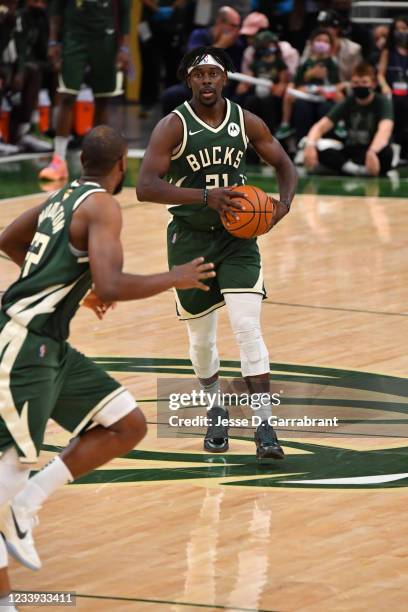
<point x="265" y="407"/>
<point x="352" y="168"/>
<point x="13" y="475"/>
<point x="214" y="392"/>
<point x="5" y="606"/>
<point x="60" y="145"/>
<point x="23" y="129"/>
<point x="53" y="476"/>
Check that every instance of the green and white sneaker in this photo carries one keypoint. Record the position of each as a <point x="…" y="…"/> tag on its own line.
<point x="16" y="526"/>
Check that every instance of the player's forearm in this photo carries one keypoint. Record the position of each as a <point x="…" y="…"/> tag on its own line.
<point x="133" y="286"/>
<point x="159" y="191"/>
<point x="287" y="179"/>
<point x="16" y="252"/>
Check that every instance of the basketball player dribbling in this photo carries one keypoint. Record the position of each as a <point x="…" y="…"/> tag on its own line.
<point x="195" y="153"/>
<point x="64" y="247"/>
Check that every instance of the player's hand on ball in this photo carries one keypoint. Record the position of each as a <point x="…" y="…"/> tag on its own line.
<point x="224" y="201"/>
<point x="190" y="275"/>
<point x="100" y="308"/>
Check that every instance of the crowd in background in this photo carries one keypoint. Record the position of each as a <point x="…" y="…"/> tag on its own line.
<point x="333" y="91"/>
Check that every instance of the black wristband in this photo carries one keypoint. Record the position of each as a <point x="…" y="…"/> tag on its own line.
<point x="205" y="197"/>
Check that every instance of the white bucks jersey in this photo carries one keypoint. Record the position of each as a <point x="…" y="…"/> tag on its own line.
<point x="208" y="157"/>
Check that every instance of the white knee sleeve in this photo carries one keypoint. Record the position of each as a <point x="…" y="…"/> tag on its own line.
<point x="202" y="334"/>
<point x="244" y="311"/>
<point x="116" y="408"/>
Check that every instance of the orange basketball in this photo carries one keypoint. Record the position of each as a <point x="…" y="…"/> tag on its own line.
<point x="256" y="217"/>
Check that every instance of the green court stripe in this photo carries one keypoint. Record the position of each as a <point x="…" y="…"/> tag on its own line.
<point x="171" y="603"/>
<point x="380" y="384"/>
<point x="310" y="432"/>
<point x="298" y="368"/>
<point x="374" y="312"/>
<point x="329" y="402"/>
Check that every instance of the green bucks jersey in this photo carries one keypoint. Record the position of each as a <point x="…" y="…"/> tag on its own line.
<point x="55" y="276"/>
<point x="92" y="17"/>
<point x="207" y="158"/>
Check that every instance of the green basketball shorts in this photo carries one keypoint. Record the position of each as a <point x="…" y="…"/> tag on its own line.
<point x="99" y="56"/>
<point x="237" y="264"/>
<point x="40" y="379"/>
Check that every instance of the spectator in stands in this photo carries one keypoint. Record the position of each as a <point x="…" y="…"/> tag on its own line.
<point x="345" y="51"/>
<point x="278" y="13"/>
<point x="303" y="20"/>
<point x="31" y="39"/>
<point x="393" y="78"/>
<point x="254" y="23"/>
<point x="161" y="37"/>
<point x="242" y="6"/>
<point x="266" y="102"/>
<point x="225" y="33"/>
<point x="357" y="32"/>
<point x="8" y="57"/>
<point x="380" y="36"/>
<point x="317" y="76"/>
<point x="368" y="118"/>
<point x="23" y="52"/>
<point x="94" y="36"/>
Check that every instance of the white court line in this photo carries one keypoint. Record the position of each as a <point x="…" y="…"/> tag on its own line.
<point x="136" y="153"/>
<point x="23" y="157"/>
<point x="132" y="154"/>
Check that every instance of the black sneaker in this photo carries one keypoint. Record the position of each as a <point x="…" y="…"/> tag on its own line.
<point x="267" y="444"/>
<point x="216" y="438"/>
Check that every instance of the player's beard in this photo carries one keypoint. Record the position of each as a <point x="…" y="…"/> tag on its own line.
<point x="119" y="186"/>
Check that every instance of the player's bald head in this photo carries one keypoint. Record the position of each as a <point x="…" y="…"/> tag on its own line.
<point x="228" y="14"/>
<point x="102" y="148"/>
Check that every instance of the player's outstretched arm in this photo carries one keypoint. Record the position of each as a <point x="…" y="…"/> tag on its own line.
<point x="16" y="237"/>
<point x="151" y="186"/>
<point x="103" y="219"/>
<point x="272" y="152"/>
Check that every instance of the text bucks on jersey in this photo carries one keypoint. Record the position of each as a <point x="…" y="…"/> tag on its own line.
<point x="210" y="157"/>
<point x="55" y="276"/>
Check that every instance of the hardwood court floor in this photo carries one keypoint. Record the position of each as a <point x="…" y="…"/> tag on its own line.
<point x="163" y="529"/>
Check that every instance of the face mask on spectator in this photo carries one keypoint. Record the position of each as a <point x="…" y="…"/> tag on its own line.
<point x="320" y="46"/>
<point x="361" y="93"/>
<point x="401" y="39"/>
<point x="268" y="53"/>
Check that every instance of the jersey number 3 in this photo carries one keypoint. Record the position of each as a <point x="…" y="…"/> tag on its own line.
<point x="36" y="251"/>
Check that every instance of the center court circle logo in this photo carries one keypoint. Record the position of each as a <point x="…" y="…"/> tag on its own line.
<point x="233" y="129"/>
<point x="370" y="402"/>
